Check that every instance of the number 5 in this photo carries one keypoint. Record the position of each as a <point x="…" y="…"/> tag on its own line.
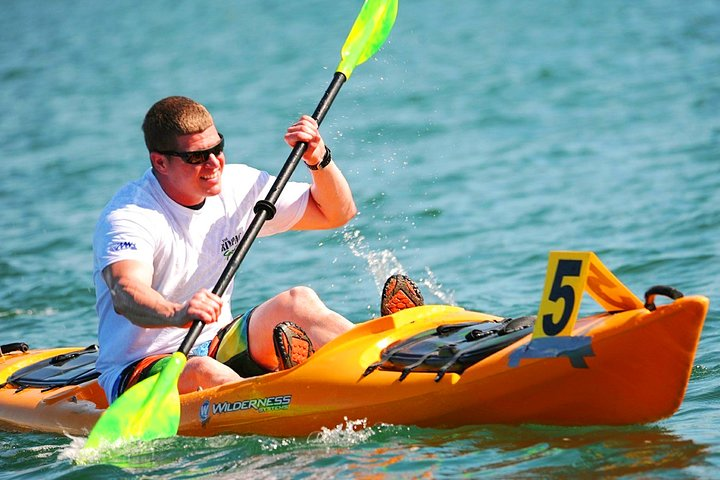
<point x="565" y="268"/>
<point x="564" y="286"/>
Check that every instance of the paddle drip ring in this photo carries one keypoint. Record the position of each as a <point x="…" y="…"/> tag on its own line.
<point x="268" y="207"/>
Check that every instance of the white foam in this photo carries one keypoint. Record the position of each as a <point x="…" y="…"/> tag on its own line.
<point x="350" y="432"/>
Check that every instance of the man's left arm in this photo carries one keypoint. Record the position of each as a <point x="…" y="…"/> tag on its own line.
<point x="331" y="203"/>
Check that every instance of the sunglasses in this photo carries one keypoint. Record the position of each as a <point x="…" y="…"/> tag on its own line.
<point x="200" y="156"/>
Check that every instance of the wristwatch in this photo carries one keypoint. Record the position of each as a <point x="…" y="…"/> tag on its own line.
<point x="327" y="158"/>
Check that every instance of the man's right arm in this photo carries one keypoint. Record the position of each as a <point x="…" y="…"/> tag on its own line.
<point x="134" y="298"/>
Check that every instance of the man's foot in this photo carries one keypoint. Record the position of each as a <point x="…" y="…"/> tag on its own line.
<point x="292" y="345"/>
<point x="398" y="294"/>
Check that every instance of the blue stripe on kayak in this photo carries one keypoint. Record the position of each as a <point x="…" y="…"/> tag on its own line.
<point x="575" y="348"/>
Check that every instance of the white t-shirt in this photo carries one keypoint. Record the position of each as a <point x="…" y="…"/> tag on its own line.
<point x="188" y="250"/>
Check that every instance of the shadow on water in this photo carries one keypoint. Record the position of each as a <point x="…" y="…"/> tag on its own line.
<point x="564" y="451"/>
<point x="355" y="450"/>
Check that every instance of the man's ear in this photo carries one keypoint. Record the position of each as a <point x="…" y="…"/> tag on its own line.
<point x="159" y="162"/>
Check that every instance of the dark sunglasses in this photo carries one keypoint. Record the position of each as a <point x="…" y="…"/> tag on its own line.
<point x="199" y="156"/>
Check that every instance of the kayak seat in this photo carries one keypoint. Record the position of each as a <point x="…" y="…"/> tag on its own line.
<point x="71" y="368"/>
<point x="451" y="348"/>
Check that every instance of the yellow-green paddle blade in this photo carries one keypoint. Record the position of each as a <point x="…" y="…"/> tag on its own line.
<point x="148" y="410"/>
<point x="371" y="28"/>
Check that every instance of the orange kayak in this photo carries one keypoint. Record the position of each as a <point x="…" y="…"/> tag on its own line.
<point x="430" y="366"/>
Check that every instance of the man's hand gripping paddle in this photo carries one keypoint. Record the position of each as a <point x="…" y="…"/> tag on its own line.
<point x="151" y="408"/>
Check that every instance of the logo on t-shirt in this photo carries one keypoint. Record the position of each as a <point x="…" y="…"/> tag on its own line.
<point x="117" y="246"/>
<point x="227" y="246"/>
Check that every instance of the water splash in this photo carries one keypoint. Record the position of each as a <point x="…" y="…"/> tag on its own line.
<point x="116" y="454"/>
<point x="436" y="288"/>
<point x="126" y="454"/>
<point x="270" y="444"/>
<point x="348" y="433"/>
<point x="74" y="452"/>
<point x="383" y="263"/>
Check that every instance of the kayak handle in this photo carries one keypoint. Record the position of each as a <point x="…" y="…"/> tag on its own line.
<point x="663" y="290"/>
<point x="14" y="347"/>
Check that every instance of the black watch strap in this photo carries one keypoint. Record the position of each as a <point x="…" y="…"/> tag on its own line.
<point x="327" y="158"/>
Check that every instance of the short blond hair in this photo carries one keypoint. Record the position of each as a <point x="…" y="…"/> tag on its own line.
<point x="172" y="117"/>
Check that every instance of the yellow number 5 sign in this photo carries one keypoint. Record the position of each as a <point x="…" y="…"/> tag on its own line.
<point x="569" y="275"/>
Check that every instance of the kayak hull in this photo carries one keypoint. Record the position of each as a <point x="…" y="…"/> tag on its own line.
<point x="629" y="367"/>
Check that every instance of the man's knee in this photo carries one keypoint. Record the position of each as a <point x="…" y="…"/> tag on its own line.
<point x="303" y="295"/>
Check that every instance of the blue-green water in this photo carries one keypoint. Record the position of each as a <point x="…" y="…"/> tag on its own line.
<point x="482" y="136"/>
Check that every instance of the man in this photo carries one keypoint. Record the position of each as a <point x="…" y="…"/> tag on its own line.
<point x="165" y="238"/>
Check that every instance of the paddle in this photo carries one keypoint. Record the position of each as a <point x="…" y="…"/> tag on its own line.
<point x="151" y="408"/>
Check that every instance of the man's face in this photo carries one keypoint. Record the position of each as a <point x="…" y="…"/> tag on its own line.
<point x="189" y="184"/>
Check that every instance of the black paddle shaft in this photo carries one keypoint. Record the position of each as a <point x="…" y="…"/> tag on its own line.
<point x="265" y="209"/>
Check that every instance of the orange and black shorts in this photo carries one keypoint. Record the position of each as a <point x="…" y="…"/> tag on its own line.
<point x="230" y="346"/>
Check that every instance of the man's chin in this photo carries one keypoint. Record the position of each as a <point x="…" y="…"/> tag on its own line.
<point x="213" y="189"/>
